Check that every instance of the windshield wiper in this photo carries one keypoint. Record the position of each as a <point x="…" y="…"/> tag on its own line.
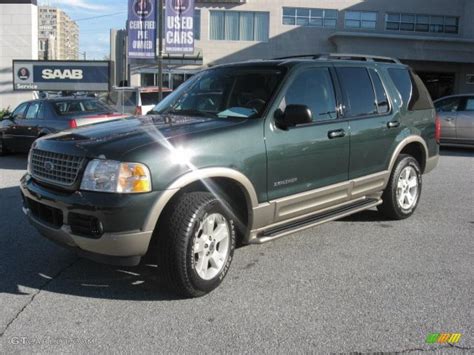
<point x="192" y="112"/>
<point x="152" y="112"/>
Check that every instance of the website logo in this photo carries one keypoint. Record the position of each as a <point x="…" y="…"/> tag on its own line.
<point x="443" y="338"/>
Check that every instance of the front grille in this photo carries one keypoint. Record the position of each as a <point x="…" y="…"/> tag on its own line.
<point x="57" y="168"/>
<point x="84" y="225"/>
<point x="44" y="213"/>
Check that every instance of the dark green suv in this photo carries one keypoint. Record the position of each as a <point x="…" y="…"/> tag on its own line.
<point x="241" y="153"/>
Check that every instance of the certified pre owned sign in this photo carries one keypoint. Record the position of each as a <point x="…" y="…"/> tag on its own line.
<point x="61" y="76"/>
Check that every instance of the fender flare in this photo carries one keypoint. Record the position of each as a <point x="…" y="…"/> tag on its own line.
<point x="195" y="176"/>
<point x="403" y="144"/>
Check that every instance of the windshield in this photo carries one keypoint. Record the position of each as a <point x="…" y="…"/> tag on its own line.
<point x="224" y="92"/>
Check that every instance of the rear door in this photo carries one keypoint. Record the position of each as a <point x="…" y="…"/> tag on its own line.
<point x="448" y="113"/>
<point x="465" y="121"/>
<point x="373" y="125"/>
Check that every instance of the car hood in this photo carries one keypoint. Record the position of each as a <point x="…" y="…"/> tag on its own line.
<point x="115" y="138"/>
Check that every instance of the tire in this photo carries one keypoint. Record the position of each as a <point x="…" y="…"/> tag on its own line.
<point x="402" y="194"/>
<point x="3" y="148"/>
<point x="191" y="259"/>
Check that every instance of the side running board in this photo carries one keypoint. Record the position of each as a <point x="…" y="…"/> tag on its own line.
<point x="337" y="213"/>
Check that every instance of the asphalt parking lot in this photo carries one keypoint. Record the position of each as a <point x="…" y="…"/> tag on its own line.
<point x="362" y="284"/>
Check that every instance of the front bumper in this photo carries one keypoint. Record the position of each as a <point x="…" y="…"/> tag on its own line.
<point x="123" y="239"/>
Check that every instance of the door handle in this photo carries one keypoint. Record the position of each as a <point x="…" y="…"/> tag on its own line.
<point x="393" y="124"/>
<point x="338" y="133"/>
<point x="449" y="119"/>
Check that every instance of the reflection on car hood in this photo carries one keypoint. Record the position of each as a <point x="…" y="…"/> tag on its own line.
<point x="131" y="133"/>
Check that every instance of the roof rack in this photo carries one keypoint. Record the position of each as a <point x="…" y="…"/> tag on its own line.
<point x="344" y="56"/>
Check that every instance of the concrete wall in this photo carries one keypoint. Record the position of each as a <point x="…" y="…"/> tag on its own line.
<point x="288" y="40"/>
<point x="441" y="50"/>
<point x="18" y="40"/>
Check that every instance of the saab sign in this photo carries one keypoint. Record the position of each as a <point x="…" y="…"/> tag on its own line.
<point x="31" y="75"/>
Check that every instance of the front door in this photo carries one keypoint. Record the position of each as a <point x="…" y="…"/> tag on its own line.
<point x="27" y="129"/>
<point x="309" y="156"/>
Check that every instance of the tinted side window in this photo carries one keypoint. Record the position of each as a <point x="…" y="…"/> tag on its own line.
<point x="40" y="115"/>
<point x="402" y="81"/>
<point x="380" y="93"/>
<point x="19" y="112"/>
<point x="313" y="88"/>
<point x="421" y="99"/>
<point x="32" y="111"/>
<point x="448" y="105"/>
<point x="469" y="104"/>
<point x="414" y="94"/>
<point x="359" y="92"/>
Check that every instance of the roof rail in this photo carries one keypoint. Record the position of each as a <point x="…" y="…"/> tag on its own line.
<point x="345" y="56"/>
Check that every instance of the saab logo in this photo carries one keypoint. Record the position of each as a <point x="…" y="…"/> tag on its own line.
<point x="23" y="74"/>
<point x="72" y="74"/>
<point x="443" y="338"/>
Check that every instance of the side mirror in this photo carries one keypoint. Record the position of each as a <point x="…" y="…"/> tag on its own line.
<point x="7" y="117"/>
<point x="294" y="115"/>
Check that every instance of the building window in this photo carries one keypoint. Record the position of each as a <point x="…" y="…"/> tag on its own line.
<point x="421" y="23"/>
<point x="309" y="17"/>
<point x="197" y="24"/>
<point x="239" y="26"/>
<point x="361" y="19"/>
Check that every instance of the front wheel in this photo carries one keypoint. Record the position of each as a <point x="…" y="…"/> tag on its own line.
<point x="403" y="191"/>
<point x="197" y="244"/>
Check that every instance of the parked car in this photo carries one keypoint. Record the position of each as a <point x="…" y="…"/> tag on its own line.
<point x="134" y="100"/>
<point x="37" y="118"/>
<point x="457" y="120"/>
<point x="285" y="144"/>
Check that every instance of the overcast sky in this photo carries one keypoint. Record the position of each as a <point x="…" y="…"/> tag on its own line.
<point x="95" y="19"/>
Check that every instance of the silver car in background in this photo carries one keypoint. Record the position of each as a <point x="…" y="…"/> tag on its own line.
<point x="457" y="120"/>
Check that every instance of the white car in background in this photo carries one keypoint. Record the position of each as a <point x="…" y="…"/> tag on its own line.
<point x="134" y="100"/>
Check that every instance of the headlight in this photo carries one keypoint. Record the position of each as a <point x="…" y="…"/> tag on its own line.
<point x="114" y="176"/>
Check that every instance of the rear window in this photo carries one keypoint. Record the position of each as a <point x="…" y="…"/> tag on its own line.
<point x="68" y="107"/>
<point x="414" y="94"/>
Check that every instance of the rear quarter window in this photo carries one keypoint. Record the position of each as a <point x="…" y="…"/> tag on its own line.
<point x="414" y="94"/>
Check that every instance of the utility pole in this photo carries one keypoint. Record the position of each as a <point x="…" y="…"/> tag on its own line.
<point x="160" y="48"/>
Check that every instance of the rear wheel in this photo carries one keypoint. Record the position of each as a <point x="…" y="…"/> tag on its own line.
<point x="3" y="148"/>
<point x="403" y="191"/>
<point x="197" y="243"/>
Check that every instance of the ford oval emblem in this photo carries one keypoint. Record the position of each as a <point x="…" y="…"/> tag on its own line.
<point x="48" y="166"/>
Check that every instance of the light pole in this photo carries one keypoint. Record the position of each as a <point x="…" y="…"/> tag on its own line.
<point x="160" y="48"/>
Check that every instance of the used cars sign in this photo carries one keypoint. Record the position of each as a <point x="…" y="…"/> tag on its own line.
<point x="58" y="76"/>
